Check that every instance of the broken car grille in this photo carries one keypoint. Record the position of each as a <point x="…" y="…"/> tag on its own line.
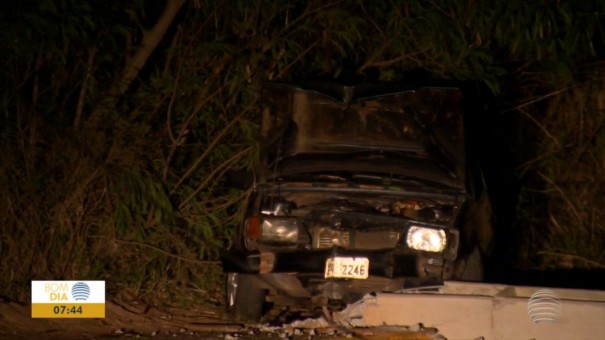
<point x="355" y="239"/>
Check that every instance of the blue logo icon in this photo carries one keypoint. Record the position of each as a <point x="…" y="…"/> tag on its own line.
<point x="80" y="291"/>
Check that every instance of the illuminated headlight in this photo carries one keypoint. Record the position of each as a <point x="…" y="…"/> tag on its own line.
<point x="426" y="239"/>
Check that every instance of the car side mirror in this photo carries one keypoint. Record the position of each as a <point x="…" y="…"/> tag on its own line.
<point x="241" y="179"/>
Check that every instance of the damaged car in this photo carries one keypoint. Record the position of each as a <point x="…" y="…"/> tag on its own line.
<point x="359" y="189"/>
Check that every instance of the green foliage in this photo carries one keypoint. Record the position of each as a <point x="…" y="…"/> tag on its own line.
<point x="128" y="188"/>
<point x="561" y="211"/>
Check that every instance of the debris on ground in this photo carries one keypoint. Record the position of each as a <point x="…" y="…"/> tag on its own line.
<point x="310" y="323"/>
<point x="124" y="320"/>
<point x="352" y="315"/>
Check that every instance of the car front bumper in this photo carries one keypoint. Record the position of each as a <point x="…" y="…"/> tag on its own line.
<point x="300" y="274"/>
<point x="390" y="264"/>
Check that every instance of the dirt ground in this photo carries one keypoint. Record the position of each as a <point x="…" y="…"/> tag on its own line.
<point x="121" y="320"/>
<point x="136" y="320"/>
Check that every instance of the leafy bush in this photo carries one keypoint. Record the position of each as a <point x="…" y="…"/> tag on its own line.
<point x="561" y="210"/>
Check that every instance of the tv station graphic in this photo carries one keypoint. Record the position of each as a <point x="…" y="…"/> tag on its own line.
<point x="68" y="299"/>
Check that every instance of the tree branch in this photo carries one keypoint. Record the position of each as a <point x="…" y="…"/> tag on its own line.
<point x="84" y="88"/>
<point x="150" y="41"/>
<point x="221" y="169"/>
<point x="592" y="263"/>
<point x="388" y="63"/>
<point x="160" y="250"/>
<point x="217" y="139"/>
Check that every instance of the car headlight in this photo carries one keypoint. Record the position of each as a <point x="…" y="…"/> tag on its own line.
<point x="276" y="230"/>
<point x="426" y="239"/>
<point x="279" y="230"/>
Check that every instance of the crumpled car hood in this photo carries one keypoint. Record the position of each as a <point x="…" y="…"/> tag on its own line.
<point x="419" y="131"/>
<point x="391" y="166"/>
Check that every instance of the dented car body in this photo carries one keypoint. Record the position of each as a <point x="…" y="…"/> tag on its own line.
<point x="359" y="189"/>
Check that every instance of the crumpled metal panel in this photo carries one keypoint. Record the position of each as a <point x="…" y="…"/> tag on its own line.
<point x="324" y="237"/>
<point x="427" y="122"/>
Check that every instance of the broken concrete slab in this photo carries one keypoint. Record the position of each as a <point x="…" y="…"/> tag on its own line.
<point x="460" y="310"/>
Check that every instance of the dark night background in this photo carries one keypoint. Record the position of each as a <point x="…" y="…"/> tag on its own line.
<point x="120" y="120"/>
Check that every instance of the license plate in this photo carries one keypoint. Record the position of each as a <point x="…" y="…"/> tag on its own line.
<point x="347" y="267"/>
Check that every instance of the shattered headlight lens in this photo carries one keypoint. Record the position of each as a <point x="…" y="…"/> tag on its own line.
<point x="426" y="239"/>
<point x="327" y="238"/>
